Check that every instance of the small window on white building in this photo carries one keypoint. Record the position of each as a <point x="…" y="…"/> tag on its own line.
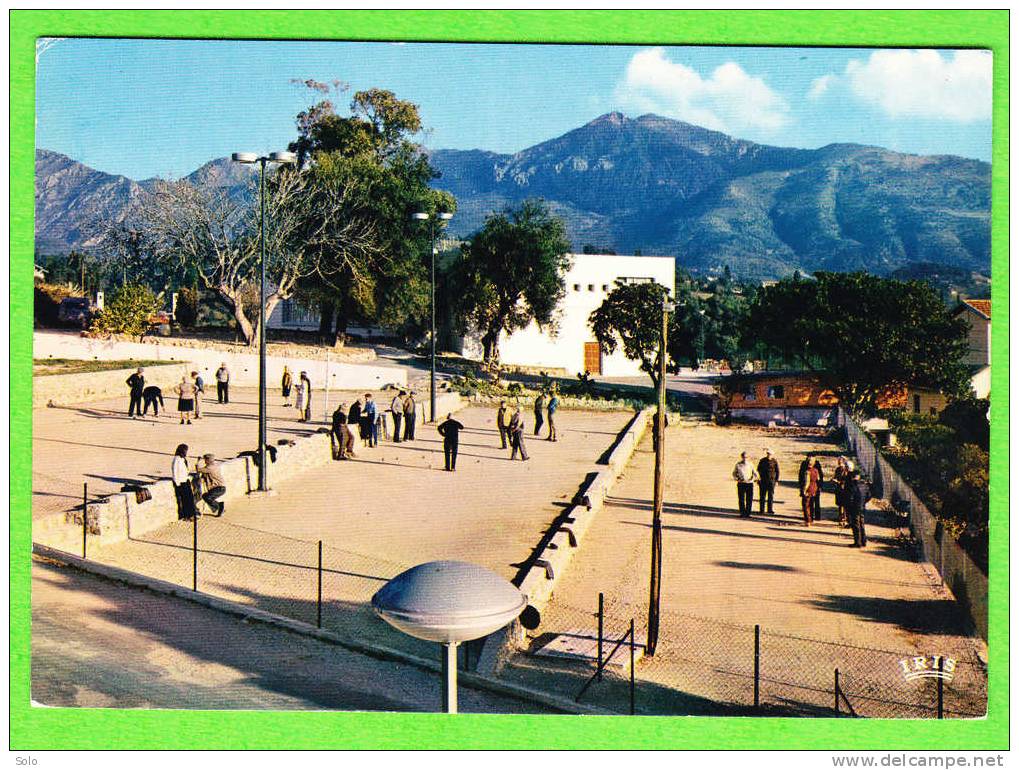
<point x="590" y="287"/>
<point x="576" y="287"/>
<point x="604" y="287"/>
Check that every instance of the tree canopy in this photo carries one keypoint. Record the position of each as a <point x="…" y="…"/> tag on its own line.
<point x="511" y="272"/>
<point x="863" y="333"/>
<point x="632" y="315"/>
<point x="371" y="150"/>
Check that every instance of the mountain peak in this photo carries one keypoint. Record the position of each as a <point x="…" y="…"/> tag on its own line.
<point x="609" y="118"/>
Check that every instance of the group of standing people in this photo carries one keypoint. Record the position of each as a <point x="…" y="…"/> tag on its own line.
<point x="365" y="414"/>
<point x="851" y="491"/>
<point x="543" y="408"/>
<point x="189" y="396"/>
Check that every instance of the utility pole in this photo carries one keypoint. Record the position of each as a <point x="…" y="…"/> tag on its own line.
<point x="655" y="599"/>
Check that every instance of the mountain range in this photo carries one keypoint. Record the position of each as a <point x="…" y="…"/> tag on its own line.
<point x="661" y="186"/>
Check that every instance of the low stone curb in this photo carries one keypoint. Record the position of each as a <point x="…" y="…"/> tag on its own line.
<point x="381" y="652"/>
<point x="537" y="585"/>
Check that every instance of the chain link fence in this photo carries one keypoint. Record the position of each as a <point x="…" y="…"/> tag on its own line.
<point x="958" y="571"/>
<point x="705" y="666"/>
<point x="312" y="582"/>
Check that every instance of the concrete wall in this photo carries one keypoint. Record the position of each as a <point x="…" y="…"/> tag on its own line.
<point x="590" y="279"/>
<point x="800" y="416"/>
<point x="64" y="389"/>
<point x="538" y="584"/>
<point x="243" y="366"/>
<point x="120" y="515"/>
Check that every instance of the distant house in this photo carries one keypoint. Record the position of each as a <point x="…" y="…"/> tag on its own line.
<point x="779" y="398"/>
<point x="573" y="347"/>
<point x="977" y="313"/>
<point x="290" y="315"/>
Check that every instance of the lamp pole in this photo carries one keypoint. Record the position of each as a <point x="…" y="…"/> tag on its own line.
<point x="422" y="216"/>
<point x="262" y="160"/>
<point x="655" y="599"/>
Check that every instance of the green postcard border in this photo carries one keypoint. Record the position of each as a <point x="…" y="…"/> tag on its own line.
<point x="54" y="728"/>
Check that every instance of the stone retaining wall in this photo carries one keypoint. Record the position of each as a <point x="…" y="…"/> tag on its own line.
<point x="65" y="389"/>
<point x="537" y="585"/>
<point x="120" y="515"/>
<point x="243" y="366"/>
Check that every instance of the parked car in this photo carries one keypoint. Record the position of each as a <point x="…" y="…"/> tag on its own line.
<point x="76" y="310"/>
<point x="160" y="318"/>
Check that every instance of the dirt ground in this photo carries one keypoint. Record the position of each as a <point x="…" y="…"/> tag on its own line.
<point x="722" y="575"/>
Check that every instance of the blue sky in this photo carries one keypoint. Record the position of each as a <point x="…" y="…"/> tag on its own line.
<point x="147" y="108"/>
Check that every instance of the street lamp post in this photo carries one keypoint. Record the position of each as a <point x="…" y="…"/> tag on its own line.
<point x="421" y="216"/>
<point x="655" y="599"/>
<point x="262" y="160"/>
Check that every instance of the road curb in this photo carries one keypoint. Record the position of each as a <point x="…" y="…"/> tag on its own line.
<point x="381" y="652"/>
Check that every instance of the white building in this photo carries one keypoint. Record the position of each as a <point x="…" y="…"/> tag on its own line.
<point x="589" y="280"/>
<point x="289" y="315"/>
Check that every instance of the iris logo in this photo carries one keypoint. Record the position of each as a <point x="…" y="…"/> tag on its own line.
<point x="928" y="667"/>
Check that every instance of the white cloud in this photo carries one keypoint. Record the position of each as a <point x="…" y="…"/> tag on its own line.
<point x="728" y="100"/>
<point x="923" y="83"/>
<point x="819" y="86"/>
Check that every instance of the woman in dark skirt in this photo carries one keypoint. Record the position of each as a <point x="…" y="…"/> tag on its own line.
<point x="185" y="400"/>
<point x="285" y="386"/>
<point x="186" y="509"/>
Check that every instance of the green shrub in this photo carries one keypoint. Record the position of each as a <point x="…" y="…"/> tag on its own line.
<point x="128" y="311"/>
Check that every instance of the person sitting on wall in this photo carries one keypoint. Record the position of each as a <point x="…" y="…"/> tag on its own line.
<point x="211" y="472"/>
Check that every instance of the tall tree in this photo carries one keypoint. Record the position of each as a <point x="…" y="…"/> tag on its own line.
<point x="863" y="333"/>
<point x="373" y="144"/>
<point x="511" y="272"/>
<point x="632" y="315"/>
<point x="216" y="238"/>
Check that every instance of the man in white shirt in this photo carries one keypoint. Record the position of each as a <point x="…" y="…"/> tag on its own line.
<point x="744" y="474"/>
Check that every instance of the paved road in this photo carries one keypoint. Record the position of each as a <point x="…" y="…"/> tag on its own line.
<point x="171" y="653"/>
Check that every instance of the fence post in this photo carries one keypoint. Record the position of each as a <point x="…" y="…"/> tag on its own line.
<point x="194" y="552"/>
<point x="941" y="688"/>
<point x="757" y="666"/>
<point x="633" y="647"/>
<point x="318" y="619"/>
<point x="84" y="523"/>
<point x="601" y="629"/>
<point x="836" y="692"/>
